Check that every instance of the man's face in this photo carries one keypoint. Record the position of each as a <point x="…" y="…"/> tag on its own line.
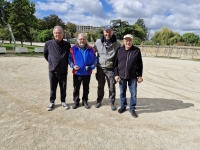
<point x="108" y="34"/>
<point x="58" y="35"/>
<point x="82" y="41"/>
<point x="128" y="42"/>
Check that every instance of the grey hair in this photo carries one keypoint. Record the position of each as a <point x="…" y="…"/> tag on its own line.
<point x="82" y="34"/>
<point x="58" y="27"/>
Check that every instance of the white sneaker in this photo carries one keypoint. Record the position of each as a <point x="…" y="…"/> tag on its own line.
<point x="51" y="106"/>
<point x="65" y="105"/>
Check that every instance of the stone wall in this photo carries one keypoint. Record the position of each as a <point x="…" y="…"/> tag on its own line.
<point x="171" y="51"/>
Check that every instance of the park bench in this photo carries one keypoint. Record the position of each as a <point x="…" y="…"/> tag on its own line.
<point x="39" y="49"/>
<point x="21" y="50"/>
<point x="2" y="50"/>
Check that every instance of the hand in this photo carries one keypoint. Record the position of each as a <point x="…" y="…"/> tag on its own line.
<point x="117" y="78"/>
<point x="139" y="79"/>
<point x="88" y="68"/>
<point x="76" y="67"/>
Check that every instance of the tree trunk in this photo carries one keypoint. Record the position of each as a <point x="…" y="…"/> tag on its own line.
<point x="22" y="43"/>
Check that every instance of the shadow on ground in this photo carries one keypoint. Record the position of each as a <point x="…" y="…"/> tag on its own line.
<point x="151" y="105"/>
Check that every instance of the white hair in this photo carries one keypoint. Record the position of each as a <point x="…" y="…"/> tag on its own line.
<point x="82" y="34"/>
<point x="58" y="27"/>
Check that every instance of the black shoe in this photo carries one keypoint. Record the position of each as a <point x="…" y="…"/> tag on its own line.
<point x="98" y="104"/>
<point x="133" y="113"/>
<point x="121" y="110"/>
<point x="84" y="103"/>
<point x="50" y="107"/>
<point x="112" y="106"/>
<point x="75" y="105"/>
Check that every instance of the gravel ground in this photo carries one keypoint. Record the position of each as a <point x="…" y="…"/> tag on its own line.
<point x="168" y="108"/>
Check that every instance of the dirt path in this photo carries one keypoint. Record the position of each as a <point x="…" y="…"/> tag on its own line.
<point x="168" y="108"/>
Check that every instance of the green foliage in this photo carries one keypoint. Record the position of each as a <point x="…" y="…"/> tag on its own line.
<point x="71" y="29"/>
<point x="190" y="38"/>
<point x="140" y="23"/>
<point x="136" y="41"/>
<point x="148" y="43"/>
<point x="41" y="24"/>
<point x="53" y="20"/>
<point x="22" y="18"/>
<point x="98" y="33"/>
<point x="121" y="28"/>
<point x="4" y="12"/>
<point x="93" y="37"/>
<point x="198" y="44"/>
<point x="166" y="37"/>
<point x="45" y="35"/>
<point x="89" y="37"/>
<point x="138" y="32"/>
<point x="4" y="33"/>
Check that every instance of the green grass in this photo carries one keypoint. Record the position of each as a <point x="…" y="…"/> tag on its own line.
<point x="30" y="48"/>
<point x="10" y="47"/>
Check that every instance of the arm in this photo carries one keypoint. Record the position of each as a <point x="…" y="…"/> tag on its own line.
<point x="140" y="68"/>
<point x="46" y="53"/>
<point x="70" y="59"/>
<point x="116" y="72"/>
<point x="92" y="67"/>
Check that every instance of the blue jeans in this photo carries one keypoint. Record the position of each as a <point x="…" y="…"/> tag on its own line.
<point x="132" y="84"/>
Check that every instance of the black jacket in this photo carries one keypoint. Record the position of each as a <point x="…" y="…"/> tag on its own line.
<point x="57" y="55"/>
<point x="128" y="63"/>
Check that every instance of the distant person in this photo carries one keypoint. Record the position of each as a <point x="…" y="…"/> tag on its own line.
<point x="82" y="59"/>
<point x="56" y="52"/>
<point x="106" y="47"/>
<point x="128" y="70"/>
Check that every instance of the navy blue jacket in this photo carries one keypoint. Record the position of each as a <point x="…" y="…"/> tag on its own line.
<point x="128" y="63"/>
<point x="57" y="55"/>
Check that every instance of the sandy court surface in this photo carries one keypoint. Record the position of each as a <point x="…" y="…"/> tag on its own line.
<point x="168" y="108"/>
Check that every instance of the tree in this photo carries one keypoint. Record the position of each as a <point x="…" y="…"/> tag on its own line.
<point x="165" y="37"/>
<point x="190" y="38"/>
<point x="140" y="22"/>
<point x="71" y="28"/>
<point x="53" y="20"/>
<point x="22" y="18"/>
<point x="98" y="33"/>
<point x="121" y="28"/>
<point x="88" y="37"/>
<point x="45" y="35"/>
<point x="4" y="33"/>
<point x="138" y="32"/>
<point x="4" y="9"/>
<point x="41" y="24"/>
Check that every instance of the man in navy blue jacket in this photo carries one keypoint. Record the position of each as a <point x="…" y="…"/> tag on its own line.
<point x="128" y="69"/>
<point x="56" y="52"/>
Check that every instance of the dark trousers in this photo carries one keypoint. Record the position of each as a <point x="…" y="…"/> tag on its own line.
<point x="77" y="80"/>
<point x="102" y="76"/>
<point x="56" y="78"/>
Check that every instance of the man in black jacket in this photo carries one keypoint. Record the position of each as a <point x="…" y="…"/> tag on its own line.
<point x="56" y="52"/>
<point x="128" y="69"/>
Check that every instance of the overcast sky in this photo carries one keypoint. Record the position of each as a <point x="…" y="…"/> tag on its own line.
<point x="178" y="15"/>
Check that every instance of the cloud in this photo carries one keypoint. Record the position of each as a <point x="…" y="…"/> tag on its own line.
<point x="179" y="16"/>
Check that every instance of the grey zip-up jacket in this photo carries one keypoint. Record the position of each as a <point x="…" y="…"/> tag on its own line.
<point x="106" y="57"/>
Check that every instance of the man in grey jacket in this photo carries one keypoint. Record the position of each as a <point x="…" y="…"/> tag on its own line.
<point x="106" y="47"/>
